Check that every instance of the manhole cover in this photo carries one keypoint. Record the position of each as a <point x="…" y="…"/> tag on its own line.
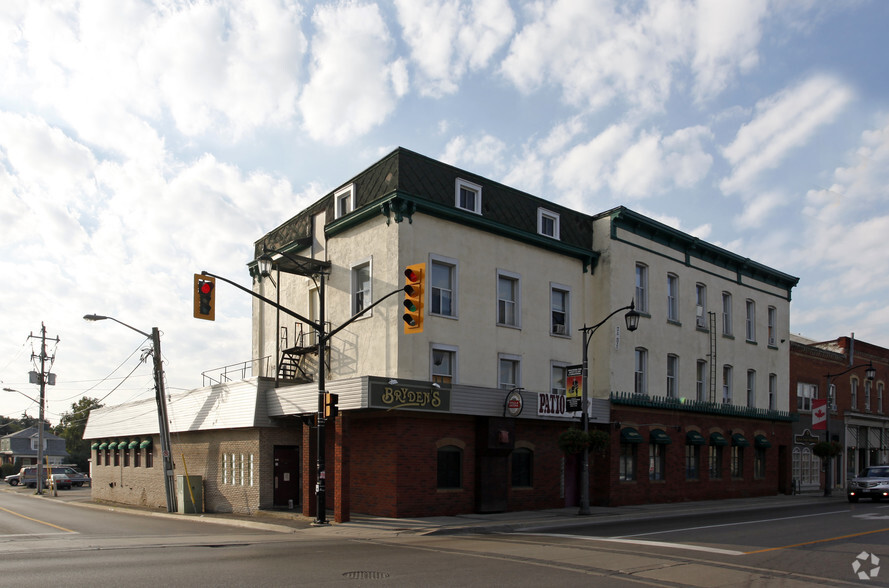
<point x="366" y="575"/>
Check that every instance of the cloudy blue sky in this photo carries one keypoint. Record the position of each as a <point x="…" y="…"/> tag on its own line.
<point x="143" y="141"/>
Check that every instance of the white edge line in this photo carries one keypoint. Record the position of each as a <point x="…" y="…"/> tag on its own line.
<point x="641" y="542"/>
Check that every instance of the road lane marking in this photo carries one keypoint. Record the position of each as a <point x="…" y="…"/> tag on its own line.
<point x="818" y="541"/>
<point x="37" y="520"/>
<point x="684" y="546"/>
<point x="820" y="514"/>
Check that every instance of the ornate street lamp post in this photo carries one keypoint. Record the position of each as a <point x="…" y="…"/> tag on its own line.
<point x="870" y="373"/>
<point x="632" y="319"/>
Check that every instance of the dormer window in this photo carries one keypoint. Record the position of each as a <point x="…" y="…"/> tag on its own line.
<point x="468" y="196"/>
<point x="344" y="201"/>
<point x="548" y="223"/>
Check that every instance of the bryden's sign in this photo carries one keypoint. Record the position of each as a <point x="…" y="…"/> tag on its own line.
<point x="409" y="396"/>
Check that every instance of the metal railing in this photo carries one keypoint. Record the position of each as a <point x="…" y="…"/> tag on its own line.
<point x="239" y="371"/>
<point x="701" y="406"/>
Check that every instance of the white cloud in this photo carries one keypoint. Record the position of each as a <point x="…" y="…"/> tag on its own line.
<point x="726" y="43"/>
<point x="782" y="122"/>
<point x="353" y="86"/>
<point x="482" y="152"/>
<point x="450" y="37"/>
<point x="643" y="166"/>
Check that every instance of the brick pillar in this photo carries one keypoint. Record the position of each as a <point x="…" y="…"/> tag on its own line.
<point x="342" y="504"/>
<point x="309" y="462"/>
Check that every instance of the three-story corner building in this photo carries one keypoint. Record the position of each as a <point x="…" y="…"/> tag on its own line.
<point x="465" y="414"/>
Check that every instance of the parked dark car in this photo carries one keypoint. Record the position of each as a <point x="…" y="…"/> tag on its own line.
<point x="28" y="475"/>
<point x="872" y="482"/>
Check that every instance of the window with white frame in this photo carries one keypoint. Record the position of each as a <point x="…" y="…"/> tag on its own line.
<point x="751" y="320"/>
<point x="558" y="378"/>
<point x="468" y="196"/>
<point x="443" y="362"/>
<point x="773" y="391"/>
<point x="701" y="381"/>
<point x="773" y="326"/>
<point x="832" y="396"/>
<point x="560" y="300"/>
<point x="508" y="301"/>
<point x="361" y="292"/>
<point x="751" y="388"/>
<point x="642" y="288"/>
<point x="727" y="314"/>
<point x="867" y="389"/>
<point x="640" y="375"/>
<point x="880" y="397"/>
<point x="726" y="384"/>
<point x="673" y="298"/>
<point x="442" y="284"/>
<point x="805" y="394"/>
<point x="548" y="223"/>
<point x="509" y="373"/>
<point x="672" y="376"/>
<point x="701" y="306"/>
<point x="344" y="201"/>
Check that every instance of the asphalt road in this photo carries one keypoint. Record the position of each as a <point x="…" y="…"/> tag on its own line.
<point x="49" y="541"/>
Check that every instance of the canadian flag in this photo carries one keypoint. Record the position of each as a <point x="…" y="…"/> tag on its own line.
<point x="819" y="415"/>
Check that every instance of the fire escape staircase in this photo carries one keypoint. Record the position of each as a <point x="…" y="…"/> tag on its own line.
<point x="299" y="363"/>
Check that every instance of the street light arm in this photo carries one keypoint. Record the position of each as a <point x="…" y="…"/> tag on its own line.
<point x="588" y="331"/>
<point x="867" y="366"/>
<point x="98" y="317"/>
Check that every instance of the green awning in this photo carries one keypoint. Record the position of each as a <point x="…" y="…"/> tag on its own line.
<point x="94" y="446"/>
<point x="694" y="438"/>
<point x="740" y="440"/>
<point x="122" y="445"/>
<point x="145" y="444"/>
<point x="103" y="446"/>
<point x="630" y="435"/>
<point x="133" y="444"/>
<point x="761" y="442"/>
<point x="718" y="439"/>
<point x="659" y="436"/>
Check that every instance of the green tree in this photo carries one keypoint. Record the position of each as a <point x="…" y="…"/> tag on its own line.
<point x="71" y="427"/>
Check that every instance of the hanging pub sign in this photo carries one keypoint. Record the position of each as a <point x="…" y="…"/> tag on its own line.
<point x="574" y="387"/>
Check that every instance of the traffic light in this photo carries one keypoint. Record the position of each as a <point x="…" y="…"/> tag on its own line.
<point x="330" y="407"/>
<point x="204" y="297"/>
<point x="414" y="278"/>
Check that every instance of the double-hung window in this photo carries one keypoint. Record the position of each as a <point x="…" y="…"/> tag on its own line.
<point x="751" y="388"/>
<point x="727" y="314"/>
<point x="560" y="300"/>
<point x="701" y="306"/>
<point x="726" y="384"/>
<point x="773" y="326"/>
<point x="640" y="378"/>
<point x="444" y="364"/>
<point x="751" y="320"/>
<point x="701" y="393"/>
<point x="805" y="393"/>
<point x="361" y="293"/>
<point x="642" y="288"/>
<point x="558" y="378"/>
<point x="673" y="298"/>
<point x="508" y="302"/>
<point x="672" y="376"/>
<point x="443" y="292"/>
<point x="509" y="373"/>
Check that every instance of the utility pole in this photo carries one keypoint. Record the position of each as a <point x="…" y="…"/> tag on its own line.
<point x="42" y="378"/>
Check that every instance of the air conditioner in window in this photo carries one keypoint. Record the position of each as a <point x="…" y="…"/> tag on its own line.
<point x="560" y="330"/>
<point x="699" y="312"/>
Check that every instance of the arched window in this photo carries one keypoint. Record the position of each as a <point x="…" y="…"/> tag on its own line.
<point x="522" y="468"/>
<point x="450" y="467"/>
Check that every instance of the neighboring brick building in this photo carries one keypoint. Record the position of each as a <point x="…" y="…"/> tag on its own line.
<point x="465" y="416"/>
<point x="859" y="417"/>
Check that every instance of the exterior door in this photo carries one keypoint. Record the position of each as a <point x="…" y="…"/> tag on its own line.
<point x="287" y="475"/>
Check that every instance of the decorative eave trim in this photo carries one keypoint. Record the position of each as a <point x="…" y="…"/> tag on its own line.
<point x="399" y="205"/>
<point x="637" y="224"/>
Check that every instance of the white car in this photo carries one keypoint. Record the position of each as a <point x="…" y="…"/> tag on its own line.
<point x="872" y="482"/>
